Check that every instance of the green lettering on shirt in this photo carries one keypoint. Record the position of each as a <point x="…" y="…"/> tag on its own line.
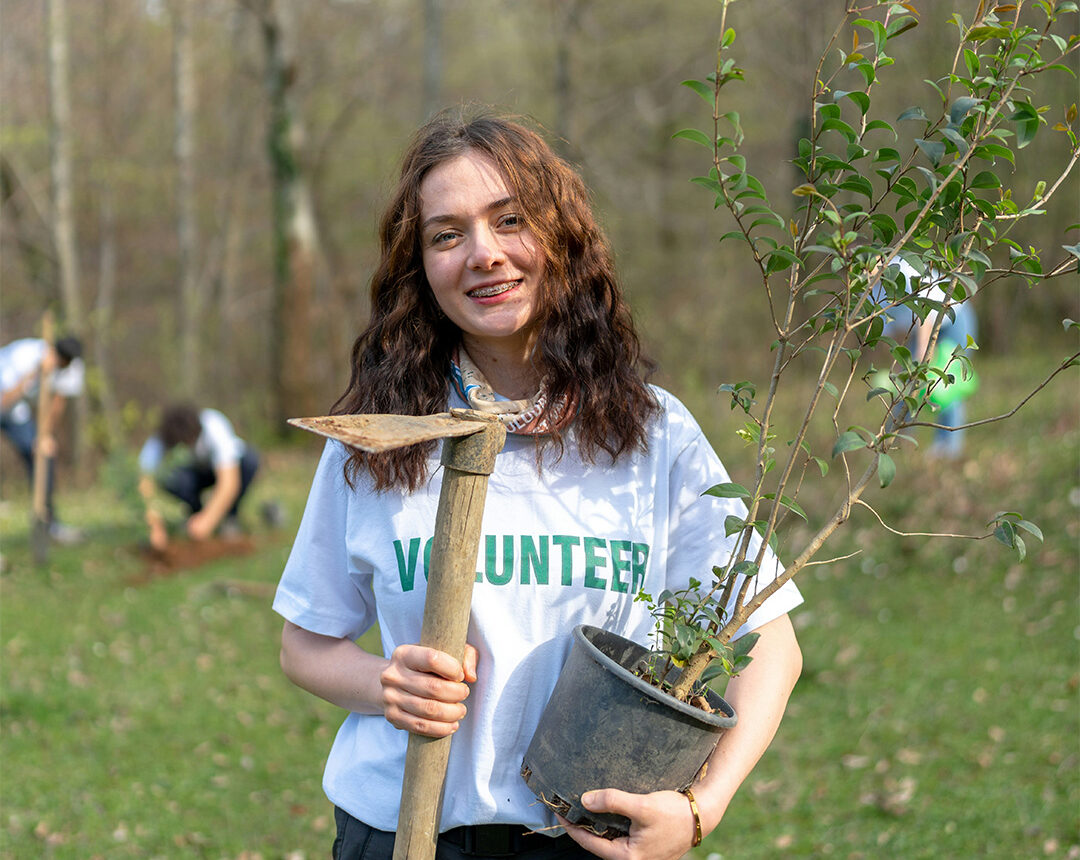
<point x="508" y="560"/>
<point x="639" y="557"/>
<point x="593" y="559"/>
<point x="619" y="564"/>
<point x="534" y="558"/>
<point x="529" y="557"/>
<point x="407" y="569"/>
<point x="565" y="542"/>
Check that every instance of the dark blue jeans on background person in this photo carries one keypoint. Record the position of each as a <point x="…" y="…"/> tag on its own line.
<point x="22" y="435"/>
<point x="188" y="483"/>
<point x="356" y="841"/>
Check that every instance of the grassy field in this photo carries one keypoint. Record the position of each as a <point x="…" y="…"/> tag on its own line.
<point x="937" y="717"/>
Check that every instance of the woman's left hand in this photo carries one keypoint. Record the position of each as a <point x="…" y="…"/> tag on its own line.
<point x="661" y="825"/>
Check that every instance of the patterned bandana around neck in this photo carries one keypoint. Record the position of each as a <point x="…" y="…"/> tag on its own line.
<point x="523" y="417"/>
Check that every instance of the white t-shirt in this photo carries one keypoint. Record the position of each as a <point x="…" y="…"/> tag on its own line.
<point x="217" y="445"/>
<point x="24" y="356"/>
<point x="569" y="545"/>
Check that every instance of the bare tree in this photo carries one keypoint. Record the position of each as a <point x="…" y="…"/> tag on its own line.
<point x="192" y="289"/>
<point x="296" y="241"/>
<point x="433" y="57"/>
<point x="63" y="215"/>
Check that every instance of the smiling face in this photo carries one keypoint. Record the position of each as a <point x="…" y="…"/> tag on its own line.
<point x="483" y="264"/>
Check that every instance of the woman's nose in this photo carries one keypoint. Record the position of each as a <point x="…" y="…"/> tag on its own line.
<point x="486" y="250"/>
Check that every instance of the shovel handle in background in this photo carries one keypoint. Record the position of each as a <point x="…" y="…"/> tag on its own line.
<point x="39" y="502"/>
<point x="471" y="441"/>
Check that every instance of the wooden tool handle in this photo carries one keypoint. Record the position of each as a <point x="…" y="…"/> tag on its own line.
<point x="44" y="428"/>
<point x="467" y="462"/>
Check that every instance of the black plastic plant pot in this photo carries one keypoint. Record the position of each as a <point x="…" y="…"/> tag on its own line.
<point x="604" y="727"/>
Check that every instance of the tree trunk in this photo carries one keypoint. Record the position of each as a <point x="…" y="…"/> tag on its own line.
<point x="187" y="234"/>
<point x="568" y="16"/>
<point x="433" y="58"/>
<point x="63" y="217"/>
<point x="295" y="236"/>
<point x="103" y="318"/>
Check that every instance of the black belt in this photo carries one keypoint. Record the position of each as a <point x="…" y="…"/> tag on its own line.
<point x="496" y="840"/>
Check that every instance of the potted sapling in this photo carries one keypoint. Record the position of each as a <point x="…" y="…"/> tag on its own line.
<point x="899" y="223"/>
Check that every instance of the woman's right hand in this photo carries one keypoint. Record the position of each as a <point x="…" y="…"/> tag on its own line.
<point x="424" y="690"/>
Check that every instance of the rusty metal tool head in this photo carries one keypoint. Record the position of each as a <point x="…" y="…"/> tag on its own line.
<point x="378" y="433"/>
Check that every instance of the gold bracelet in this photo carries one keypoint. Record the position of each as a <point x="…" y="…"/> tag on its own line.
<point x="697" y="817"/>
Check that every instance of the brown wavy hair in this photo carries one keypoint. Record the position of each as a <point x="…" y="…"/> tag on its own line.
<point x="586" y="347"/>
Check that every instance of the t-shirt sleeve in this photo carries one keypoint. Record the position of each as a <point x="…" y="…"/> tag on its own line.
<point x="321" y="589"/>
<point x="68" y="381"/>
<point x="151" y="455"/>
<point x="224" y="446"/>
<point x="697" y="532"/>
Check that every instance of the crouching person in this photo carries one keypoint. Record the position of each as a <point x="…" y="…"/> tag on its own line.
<point x="193" y="451"/>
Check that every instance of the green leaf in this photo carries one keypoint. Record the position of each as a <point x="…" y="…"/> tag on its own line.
<point x="1029" y="527"/>
<point x="1026" y="118"/>
<point x="848" y="441"/>
<point x="960" y="108"/>
<point x="694" y="135"/>
<point x="932" y="149"/>
<point x="710" y="183"/>
<point x="788" y="503"/>
<point x="1005" y="533"/>
<point x="707" y="92"/>
<point x="860" y="98"/>
<point x="744" y="644"/>
<point x="985" y="179"/>
<point x="913" y="113"/>
<point x="745" y="568"/>
<point x="1020" y="546"/>
<point x="981" y="34"/>
<point x="733" y="525"/>
<point x="840" y="126"/>
<point x="860" y="185"/>
<point x="728" y="491"/>
<point x="957" y="139"/>
<point x="971" y="60"/>
<point x="880" y="123"/>
<point x="823" y="465"/>
<point x="990" y="151"/>
<point x="886" y="470"/>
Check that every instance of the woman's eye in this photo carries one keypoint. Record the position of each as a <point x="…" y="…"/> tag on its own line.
<point x="512" y="220"/>
<point x="443" y="237"/>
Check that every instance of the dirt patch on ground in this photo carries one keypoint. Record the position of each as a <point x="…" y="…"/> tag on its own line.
<point x="182" y="555"/>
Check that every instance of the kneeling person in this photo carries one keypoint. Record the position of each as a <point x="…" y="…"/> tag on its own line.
<point x="215" y="457"/>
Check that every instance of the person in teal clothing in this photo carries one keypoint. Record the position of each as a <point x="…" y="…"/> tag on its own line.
<point x="958" y="329"/>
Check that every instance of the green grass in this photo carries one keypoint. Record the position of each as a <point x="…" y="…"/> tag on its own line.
<point x="937" y="716"/>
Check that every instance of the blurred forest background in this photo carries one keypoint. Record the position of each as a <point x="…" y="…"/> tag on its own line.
<point x="194" y="184"/>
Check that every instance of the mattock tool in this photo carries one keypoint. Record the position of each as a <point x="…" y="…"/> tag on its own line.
<point x="471" y="440"/>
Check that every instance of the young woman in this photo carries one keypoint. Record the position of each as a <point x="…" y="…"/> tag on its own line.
<point x="496" y="291"/>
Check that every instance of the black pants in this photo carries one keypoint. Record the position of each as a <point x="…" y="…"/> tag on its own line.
<point x="356" y="841"/>
<point x="187" y="483"/>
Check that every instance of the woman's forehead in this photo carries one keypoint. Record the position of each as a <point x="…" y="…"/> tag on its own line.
<point x="467" y="182"/>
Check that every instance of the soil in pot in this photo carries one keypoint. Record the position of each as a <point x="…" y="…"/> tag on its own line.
<point x="605" y="727"/>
